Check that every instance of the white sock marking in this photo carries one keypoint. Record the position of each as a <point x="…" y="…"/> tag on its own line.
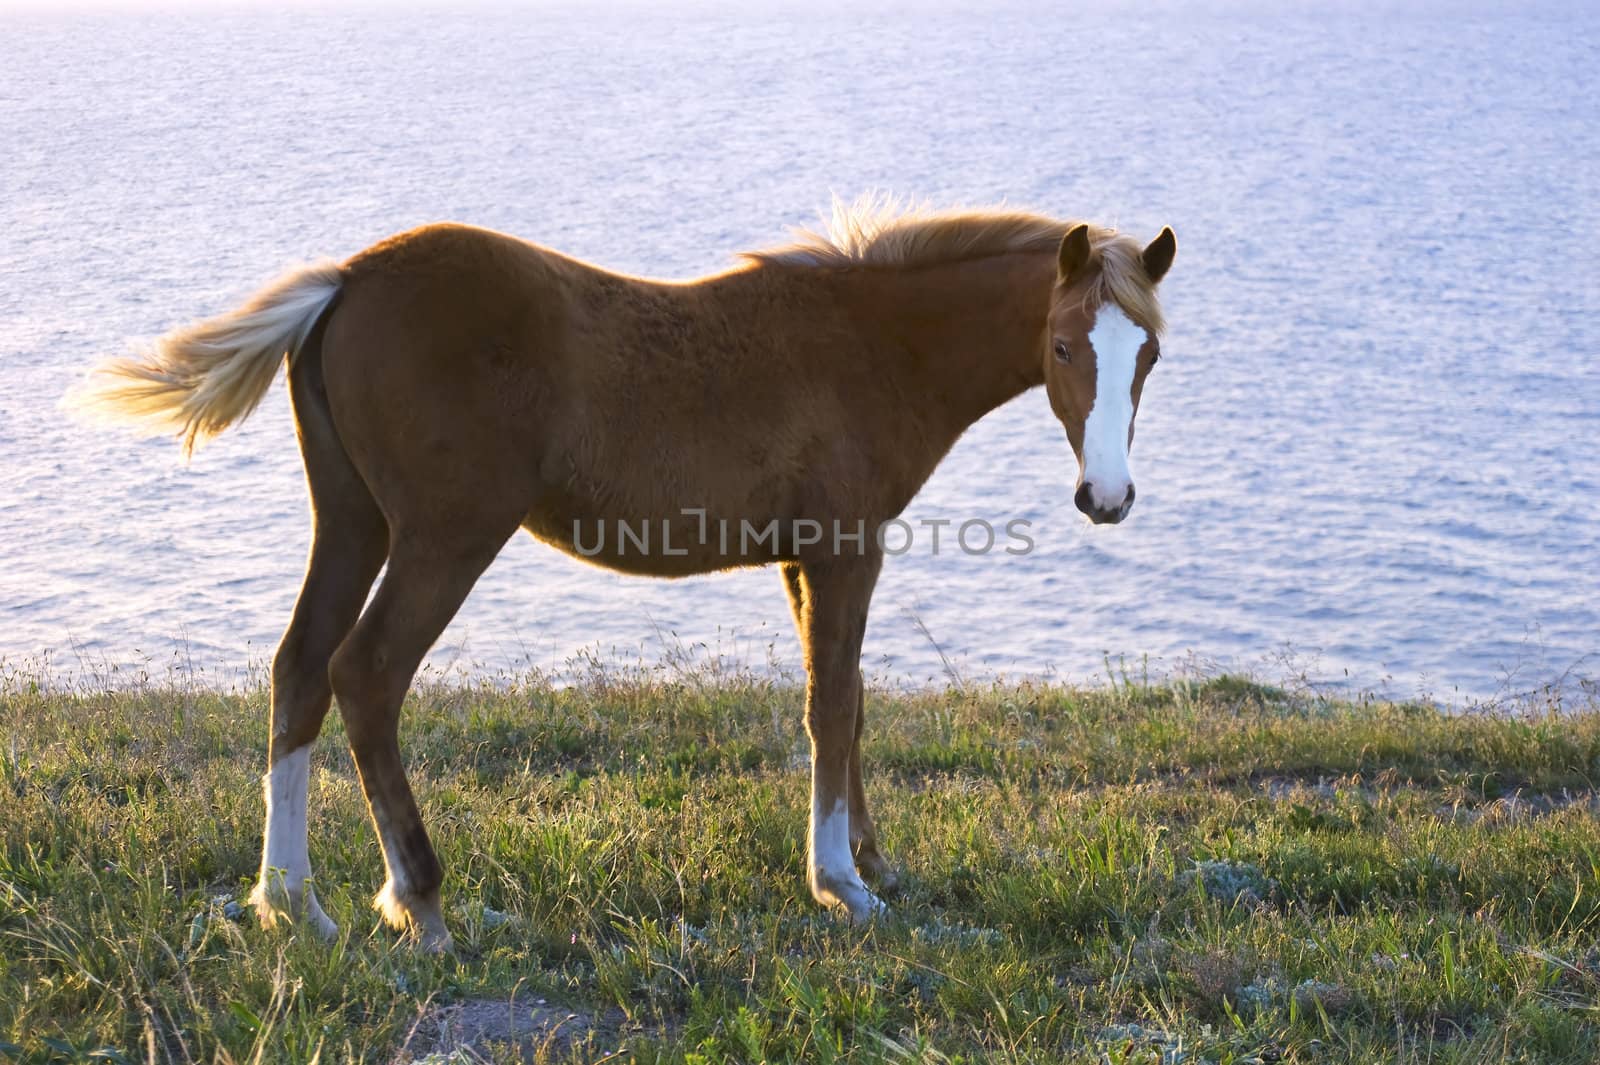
<point x="830" y="841"/>
<point x="834" y="880"/>
<point x="282" y="890"/>
<point x="285" y="851"/>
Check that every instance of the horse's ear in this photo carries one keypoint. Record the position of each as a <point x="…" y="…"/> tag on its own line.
<point x="1157" y="257"/>
<point x="1074" y="254"/>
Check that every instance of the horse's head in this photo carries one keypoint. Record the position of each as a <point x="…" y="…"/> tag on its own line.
<point x="1100" y="343"/>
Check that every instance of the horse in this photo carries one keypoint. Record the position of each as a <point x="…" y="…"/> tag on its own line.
<point x="452" y="384"/>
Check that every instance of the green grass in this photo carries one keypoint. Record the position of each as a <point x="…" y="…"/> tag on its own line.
<point x="1213" y="871"/>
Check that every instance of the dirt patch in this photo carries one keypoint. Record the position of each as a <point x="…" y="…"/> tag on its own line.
<point x="1515" y="807"/>
<point x="463" y="1032"/>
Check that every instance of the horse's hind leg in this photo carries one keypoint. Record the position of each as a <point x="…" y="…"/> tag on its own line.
<point x="429" y="576"/>
<point x="870" y="862"/>
<point x="349" y="542"/>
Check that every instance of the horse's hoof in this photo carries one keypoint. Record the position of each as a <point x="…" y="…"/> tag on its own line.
<point x="878" y="873"/>
<point x="274" y="905"/>
<point x="432" y="941"/>
<point x="851" y="896"/>
<point x="417" y="917"/>
<point x="868" y="910"/>
<point x="320" y="923"/>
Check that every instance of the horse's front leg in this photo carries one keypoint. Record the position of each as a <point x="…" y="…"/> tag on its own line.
<point x="870" y="862"/>
<point x="838" y="593"/>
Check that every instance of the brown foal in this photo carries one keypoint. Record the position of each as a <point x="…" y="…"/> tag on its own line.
<point x="452" y="384"/>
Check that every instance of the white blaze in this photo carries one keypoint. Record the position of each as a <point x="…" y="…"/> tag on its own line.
<point x="1116" y="342"/>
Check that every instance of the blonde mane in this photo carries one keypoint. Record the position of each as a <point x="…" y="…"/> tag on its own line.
<point x="882" y="231"/>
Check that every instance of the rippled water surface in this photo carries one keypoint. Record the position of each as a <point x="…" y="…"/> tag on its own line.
<point x="1370" y="455"/>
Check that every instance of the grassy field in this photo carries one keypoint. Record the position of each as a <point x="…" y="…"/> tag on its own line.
<point x="1194" y="872"/>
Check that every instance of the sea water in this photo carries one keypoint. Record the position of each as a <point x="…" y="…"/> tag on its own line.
<point x="1368" y="460"/>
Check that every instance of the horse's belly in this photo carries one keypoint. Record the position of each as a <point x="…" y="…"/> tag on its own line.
<point x="662" y="546"/>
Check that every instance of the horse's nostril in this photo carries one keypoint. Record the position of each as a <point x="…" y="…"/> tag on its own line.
<point x="1084" y="500"/>
<point x="1128" y="500"/>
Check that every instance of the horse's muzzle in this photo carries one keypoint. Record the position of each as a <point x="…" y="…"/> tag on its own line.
<point x="1090" y="503"/>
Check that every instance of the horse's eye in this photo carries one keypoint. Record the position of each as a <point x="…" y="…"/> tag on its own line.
<point x="1061" y="351"/>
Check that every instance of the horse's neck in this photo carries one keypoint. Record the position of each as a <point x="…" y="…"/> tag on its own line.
<point x="965" y="336"/>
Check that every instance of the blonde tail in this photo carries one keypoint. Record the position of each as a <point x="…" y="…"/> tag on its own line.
<point x="201" y="378"/>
